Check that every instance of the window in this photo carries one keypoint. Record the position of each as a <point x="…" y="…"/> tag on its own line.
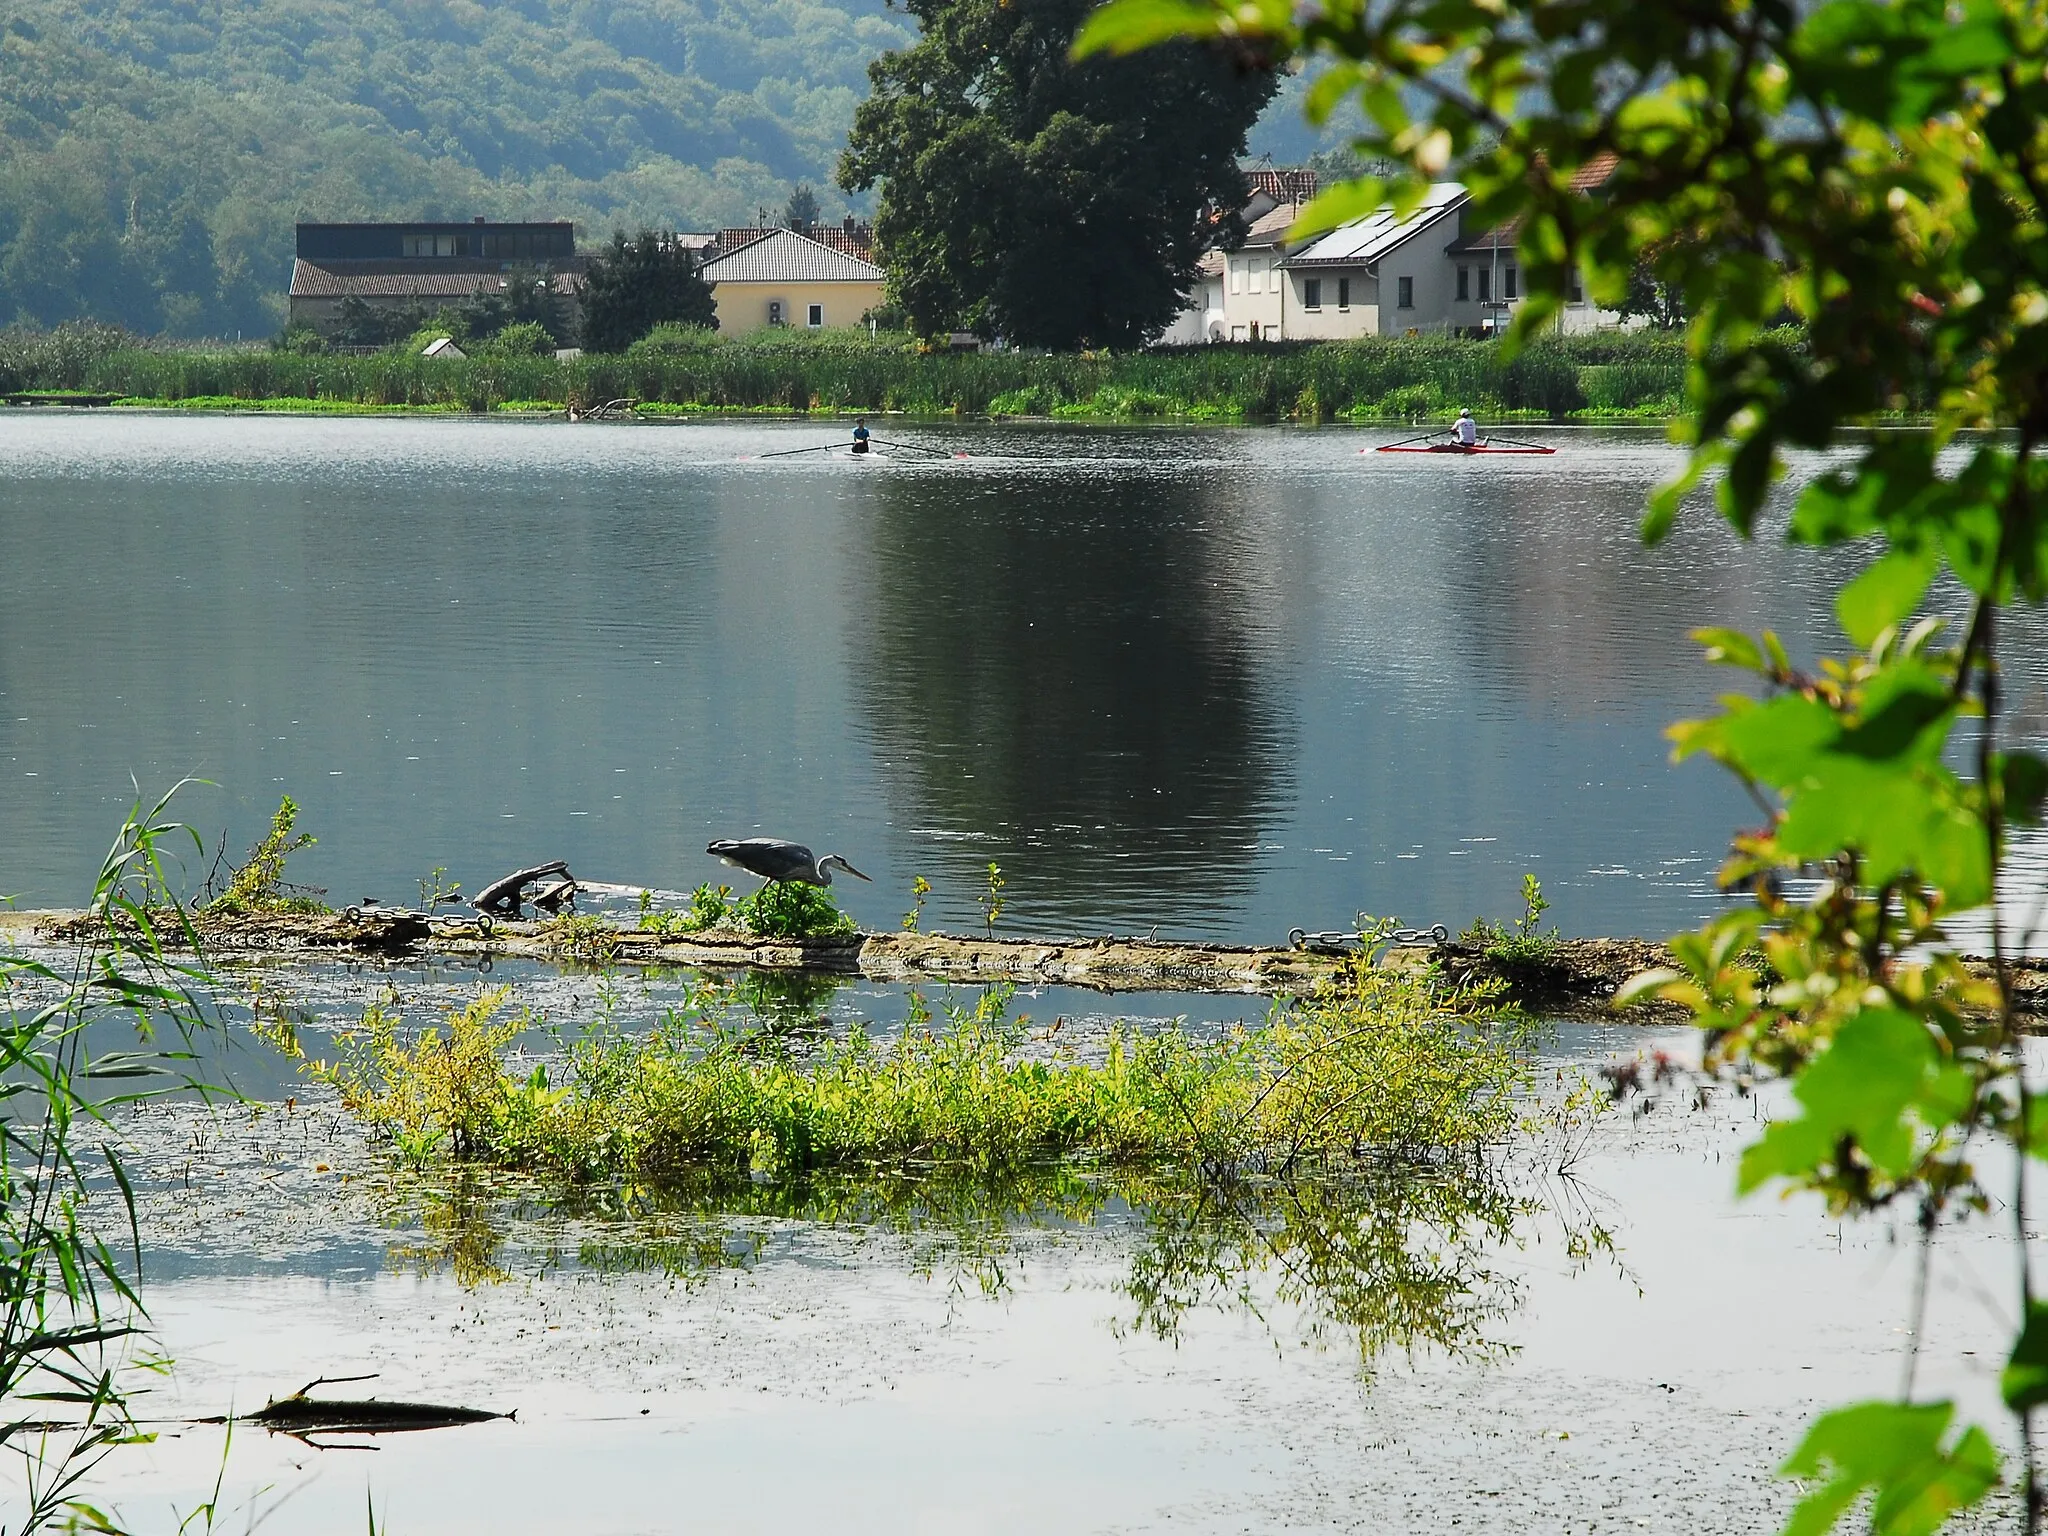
<point x="1406" y="290"/>
<point x="1237" y="333"/>
<point x="815" y="317"/>
<point x="1312" y="293"/>
<point x="1343" y="293"/>
<point x="1464" y="284"/>
<point x="1251" y="281"/>
<point x="1237" y="277"/>
<point x="1485" y="286"/>
<point x="1578" y="288"/>
<point x="510" y="245"/>
<point x="1507" y="284"/>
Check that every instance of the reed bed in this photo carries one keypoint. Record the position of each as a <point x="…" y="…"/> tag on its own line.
<point x="1394" y="379"/>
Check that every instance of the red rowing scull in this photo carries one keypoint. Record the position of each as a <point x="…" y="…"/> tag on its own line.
<point x="1459" y="448"/>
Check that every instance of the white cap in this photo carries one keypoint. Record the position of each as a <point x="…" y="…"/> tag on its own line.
<point x="1466" y="411"/>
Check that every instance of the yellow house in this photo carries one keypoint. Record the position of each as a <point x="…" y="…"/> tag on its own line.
<point x="790" y="279"/>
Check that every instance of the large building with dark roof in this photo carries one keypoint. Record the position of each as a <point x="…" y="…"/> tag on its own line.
<point x="425" y="265"/>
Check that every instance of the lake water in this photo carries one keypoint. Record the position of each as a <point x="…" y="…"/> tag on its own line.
<point x="1225" y="682"/>
<point x="1221" y="682"/>
<point x="774" y="1370"/>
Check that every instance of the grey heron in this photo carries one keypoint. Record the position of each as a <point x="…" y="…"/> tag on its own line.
<point x="775" y="858"/>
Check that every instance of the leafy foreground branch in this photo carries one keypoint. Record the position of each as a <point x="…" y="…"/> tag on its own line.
<point x="1878" y="173"/>
<point x="1382" y="1068"/>
<point x="71" y="1316"/>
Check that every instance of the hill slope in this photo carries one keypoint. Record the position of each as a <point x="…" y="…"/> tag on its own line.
<point x="154" y="154"/>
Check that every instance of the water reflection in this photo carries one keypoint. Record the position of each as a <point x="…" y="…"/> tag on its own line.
<point x="1229" y="681"/>
<point x="1396" y="1257"/>
<point x="1067" y="672"/>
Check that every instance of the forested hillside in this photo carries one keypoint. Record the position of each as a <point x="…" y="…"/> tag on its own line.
<point x="154" y="154"/>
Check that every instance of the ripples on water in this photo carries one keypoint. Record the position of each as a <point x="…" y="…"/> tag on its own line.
<point x="1225" y="682"/>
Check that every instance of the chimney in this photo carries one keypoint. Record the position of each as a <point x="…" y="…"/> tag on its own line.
<point x="479" y="218"/>
<point x="848" y="226"/>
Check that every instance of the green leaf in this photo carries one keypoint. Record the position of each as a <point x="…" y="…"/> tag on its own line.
<point x="1731" y="648"/>
<point x="1665" y="501"/>
<point x="1880" y="1085"/>
<point x="1837" y="506"/>
<point x="1885" y="593"/>
<point x="1125" y="26"/>
<point x="1895" y="1451"/>
<point x="1336" y="205"/>
<point x="2025" y="783"/>
<point x="2024" y="1382"/>
<point x="1645" y="985"/>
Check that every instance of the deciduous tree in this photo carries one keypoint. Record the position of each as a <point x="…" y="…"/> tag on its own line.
<point x="635" y="285"/>
<point x="1059" y="204"/>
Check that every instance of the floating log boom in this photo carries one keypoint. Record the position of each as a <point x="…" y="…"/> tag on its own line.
<point x="1576" y="979"/>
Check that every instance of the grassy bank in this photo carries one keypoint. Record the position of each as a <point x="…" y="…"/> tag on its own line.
<point x="1608" y="376"/>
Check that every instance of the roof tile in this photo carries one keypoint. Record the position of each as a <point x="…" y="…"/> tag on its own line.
<point x="400" y="279"/>
<point x="784" y="256"/>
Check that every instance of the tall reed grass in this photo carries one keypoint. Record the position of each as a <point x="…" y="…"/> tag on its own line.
<point x="1399" y="378"/>
<point x="70" y="1250"/>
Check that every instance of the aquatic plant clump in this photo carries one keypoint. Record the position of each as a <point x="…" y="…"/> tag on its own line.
<point x="1524" y="941"/>
<point x="781" y="909"/>
<point x="1379" y="1067"/>
<point x="258" y="885"/>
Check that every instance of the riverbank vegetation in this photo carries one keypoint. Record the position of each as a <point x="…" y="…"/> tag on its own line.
<point x="1604" y="376"/>
<point x="1384" y="1067"/>
<point x="80" y="1040"/>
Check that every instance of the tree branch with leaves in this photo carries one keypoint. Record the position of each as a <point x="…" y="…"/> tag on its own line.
<point x="1875" y="170"/>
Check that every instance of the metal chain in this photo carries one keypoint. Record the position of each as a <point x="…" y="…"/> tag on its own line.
<point x="1383" y="932"/>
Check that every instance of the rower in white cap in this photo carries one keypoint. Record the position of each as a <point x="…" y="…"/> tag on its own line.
<point x="1467" y="429"/>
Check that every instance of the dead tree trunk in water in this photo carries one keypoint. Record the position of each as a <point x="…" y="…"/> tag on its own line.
<point x="506" y="898"/>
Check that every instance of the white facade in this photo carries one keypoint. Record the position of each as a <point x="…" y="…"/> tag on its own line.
<point x="1203" y="319"/>
<point x="1385" y="274"/>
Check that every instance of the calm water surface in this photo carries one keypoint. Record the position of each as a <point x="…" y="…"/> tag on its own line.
<point x="854" y="1374"/>
<point x="1225" y="682"/>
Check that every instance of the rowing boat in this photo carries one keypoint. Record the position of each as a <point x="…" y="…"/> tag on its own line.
<point x="1435" y="443"/>
<point x="1460" y="448"/>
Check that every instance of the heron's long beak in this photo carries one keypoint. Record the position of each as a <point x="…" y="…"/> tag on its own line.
<point x="855" y="873"/>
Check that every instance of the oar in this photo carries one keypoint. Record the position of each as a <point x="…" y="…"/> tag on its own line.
<point x="1404" y="442"/>
<point x="1512" y="442"/>
<point x="937" y="453"/>
<point x="786" y="452"/>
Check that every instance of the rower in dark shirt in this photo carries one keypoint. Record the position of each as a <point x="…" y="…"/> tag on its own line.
<point x="860" y="434"/>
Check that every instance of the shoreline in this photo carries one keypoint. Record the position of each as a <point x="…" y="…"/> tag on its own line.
<point x="661" y="413"/>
